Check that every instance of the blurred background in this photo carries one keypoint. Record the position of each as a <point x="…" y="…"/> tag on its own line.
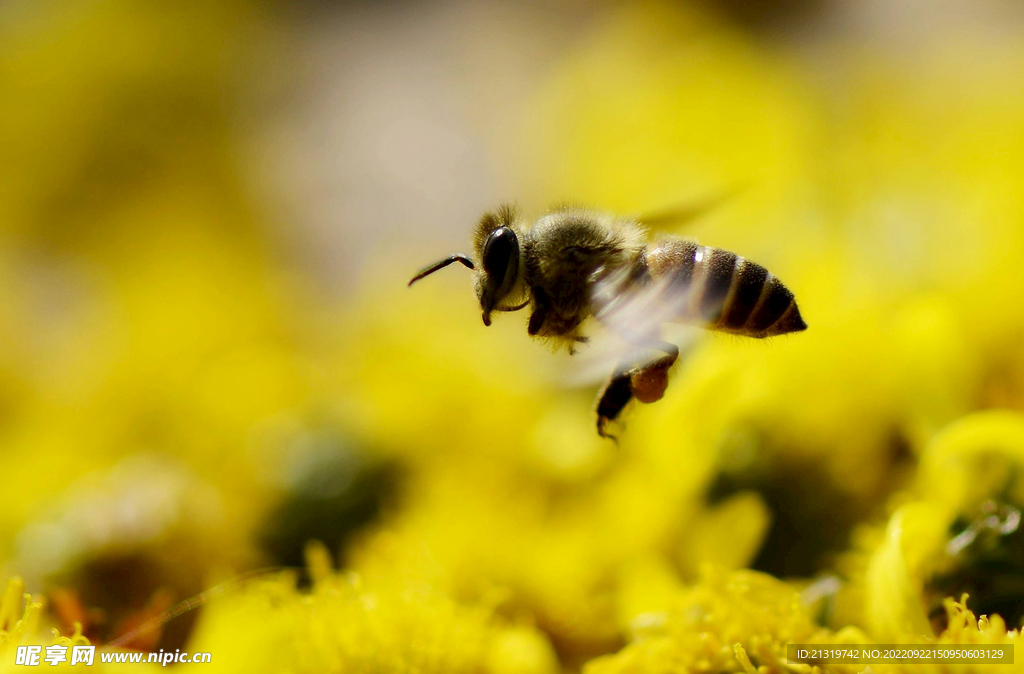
<point x="208" y="215"/>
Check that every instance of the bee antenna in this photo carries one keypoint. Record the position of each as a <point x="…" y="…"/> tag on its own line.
<point x="457" y="257"/>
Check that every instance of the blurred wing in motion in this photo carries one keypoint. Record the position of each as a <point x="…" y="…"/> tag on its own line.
<point x="682" y="214"/>
<point x="636" y="318"/>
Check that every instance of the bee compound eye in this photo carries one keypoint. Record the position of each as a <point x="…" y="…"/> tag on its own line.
<point x="501" y="257"/>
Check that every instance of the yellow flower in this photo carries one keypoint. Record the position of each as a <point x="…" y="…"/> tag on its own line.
<point x="894" y="606"/>
<point x="955" y="532"/>
<point x="979" y="457"/>
<point x="181" y="412"/>
<point x="727" y="622"/>
<point x="346" y="623"/>
<point x="19" y="618"/>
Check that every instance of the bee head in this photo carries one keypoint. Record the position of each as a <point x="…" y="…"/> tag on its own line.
<point x="497" y="275"/>
<point x="498" y="279"/>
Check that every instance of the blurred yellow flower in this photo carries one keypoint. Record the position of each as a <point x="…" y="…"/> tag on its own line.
<point x="178" y="403"/>
<point x="346" y="623"/>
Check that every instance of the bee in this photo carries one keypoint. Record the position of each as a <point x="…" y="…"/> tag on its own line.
<point x="573" y="264"/>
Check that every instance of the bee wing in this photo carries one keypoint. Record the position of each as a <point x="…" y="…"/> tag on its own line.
<point x="684" y="213"/>
<point x="636" y="319"/>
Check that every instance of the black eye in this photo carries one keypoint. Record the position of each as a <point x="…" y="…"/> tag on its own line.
<point x="501" y="257"/>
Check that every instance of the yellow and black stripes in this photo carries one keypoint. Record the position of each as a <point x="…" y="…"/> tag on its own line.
<point x="725" y="291"/>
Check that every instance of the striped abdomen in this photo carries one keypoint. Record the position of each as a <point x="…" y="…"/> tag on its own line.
<point x="725" y="291"/>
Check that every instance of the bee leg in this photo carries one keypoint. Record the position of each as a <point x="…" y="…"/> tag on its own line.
<point x="540" y="312"/>
<point x="646" y="382"/>
<point x="578" y="340"/>
<point x="649" y="381"/>
<point x="613" y="398"/>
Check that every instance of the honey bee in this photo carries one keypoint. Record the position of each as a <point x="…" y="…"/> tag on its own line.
<point x="573" y="264"/>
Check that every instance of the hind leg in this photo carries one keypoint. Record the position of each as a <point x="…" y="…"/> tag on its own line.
<point x="645" y="380"/>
